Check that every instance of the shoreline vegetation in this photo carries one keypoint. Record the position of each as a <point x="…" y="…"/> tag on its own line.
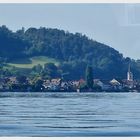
<point x="89" y="84"/>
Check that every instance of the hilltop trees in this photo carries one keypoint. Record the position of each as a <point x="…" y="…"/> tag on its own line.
<point x="73" y="51"/>
<point x="11" y="45"/>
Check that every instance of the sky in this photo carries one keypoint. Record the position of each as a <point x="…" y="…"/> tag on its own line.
<point x="116" y="25"/>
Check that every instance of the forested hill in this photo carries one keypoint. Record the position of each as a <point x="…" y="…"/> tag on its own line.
<point x="73" y="51"/>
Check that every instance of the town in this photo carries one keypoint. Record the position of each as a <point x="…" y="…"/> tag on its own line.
<point x="25" y="84"/>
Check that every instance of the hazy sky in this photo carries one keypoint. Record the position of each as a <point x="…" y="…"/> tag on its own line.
<point x="117" y="25"/>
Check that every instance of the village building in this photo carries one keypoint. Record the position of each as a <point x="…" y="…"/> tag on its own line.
<point x="104" y="84"/>
<point x="116" y="85"/>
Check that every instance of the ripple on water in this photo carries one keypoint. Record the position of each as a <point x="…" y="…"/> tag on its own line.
<point x="69" y="114"/>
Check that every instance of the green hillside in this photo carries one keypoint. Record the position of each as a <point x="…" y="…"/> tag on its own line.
<point x="74" y="50"/>
<point x="30" y="62"/>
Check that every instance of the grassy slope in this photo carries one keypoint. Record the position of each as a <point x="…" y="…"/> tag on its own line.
<point x="29" y="63"/>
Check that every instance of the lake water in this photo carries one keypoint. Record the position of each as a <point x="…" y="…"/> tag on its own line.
<point x="69" y="114"/>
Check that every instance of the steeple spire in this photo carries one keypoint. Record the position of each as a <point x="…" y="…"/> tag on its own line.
<point x="129" y="74"/>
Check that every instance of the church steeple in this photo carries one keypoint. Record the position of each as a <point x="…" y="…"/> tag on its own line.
<point x="129" y="74"/>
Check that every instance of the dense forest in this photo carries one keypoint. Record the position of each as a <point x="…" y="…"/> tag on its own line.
<point x="73" y="51"/>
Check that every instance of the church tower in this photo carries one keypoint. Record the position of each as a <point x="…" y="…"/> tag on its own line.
<point x="129" y="74"/>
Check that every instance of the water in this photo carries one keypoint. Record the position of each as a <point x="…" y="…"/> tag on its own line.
<point x="69" y="114"/>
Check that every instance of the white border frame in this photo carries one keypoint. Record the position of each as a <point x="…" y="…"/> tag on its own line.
<point x="68" y="1"/>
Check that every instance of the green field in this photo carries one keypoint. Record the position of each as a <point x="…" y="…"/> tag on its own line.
<point x="30" y="62"/>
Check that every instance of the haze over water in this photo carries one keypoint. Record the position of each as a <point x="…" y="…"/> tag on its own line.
<point x="69" y="114"/>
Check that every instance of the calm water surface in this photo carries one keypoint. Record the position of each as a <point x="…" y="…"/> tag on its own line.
<point x="69" y="114"/>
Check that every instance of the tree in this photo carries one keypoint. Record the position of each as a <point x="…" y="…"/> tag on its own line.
<point x="38" y="85"/>
<point x="21" y="79"/>
<point x="51" y="70"/>
<point x="89" y="77"/>
<point x="38" y="68"/>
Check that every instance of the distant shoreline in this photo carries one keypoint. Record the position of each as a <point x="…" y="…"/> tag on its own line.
<point x="57" y="91"/>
